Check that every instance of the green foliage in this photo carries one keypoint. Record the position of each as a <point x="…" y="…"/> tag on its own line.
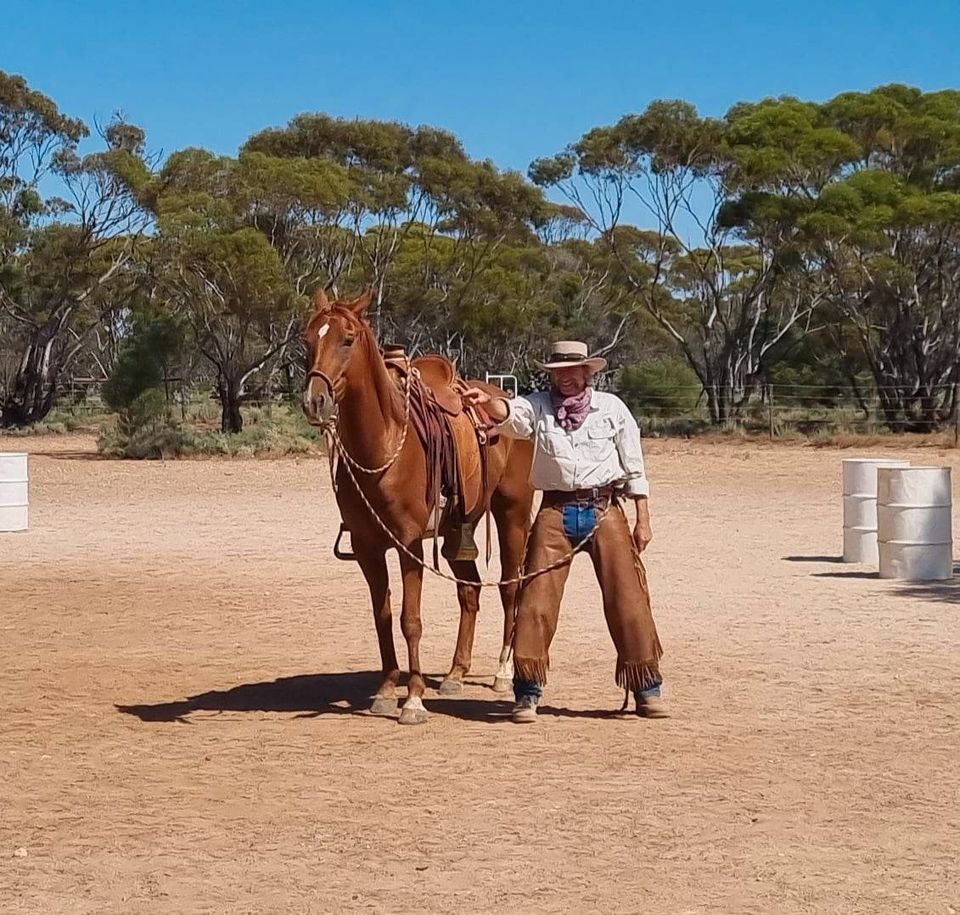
<point x="666" y="387"/>
<point x="256" y="440"/>
<point x="144" y="429"/>
<point x="143" y="361"/>
<point x="794" y="241"/>
<point x="60" y="255"/>
<point x="57" y="422"/>
<point x="852" y="205"/>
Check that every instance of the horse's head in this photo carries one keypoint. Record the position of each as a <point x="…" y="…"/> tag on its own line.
<point x="332" y="335"/>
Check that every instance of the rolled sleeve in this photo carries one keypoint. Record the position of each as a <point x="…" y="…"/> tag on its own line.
<point x="520" y="423"/>
<point x="635" y="482"/>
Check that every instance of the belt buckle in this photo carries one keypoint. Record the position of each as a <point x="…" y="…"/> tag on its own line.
<point x="587" y="496"/>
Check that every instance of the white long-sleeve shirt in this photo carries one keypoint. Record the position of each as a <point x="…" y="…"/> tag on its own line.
<point x="605" y="449"/>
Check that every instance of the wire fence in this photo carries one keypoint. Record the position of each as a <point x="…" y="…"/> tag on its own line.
<point x="774" y="410"/>
<point x="805" y="409"/>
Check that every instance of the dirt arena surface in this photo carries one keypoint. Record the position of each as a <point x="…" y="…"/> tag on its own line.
<point x="184" y="669"/>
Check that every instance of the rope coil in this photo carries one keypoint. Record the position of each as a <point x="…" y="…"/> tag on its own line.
<point x="332" y="426"/>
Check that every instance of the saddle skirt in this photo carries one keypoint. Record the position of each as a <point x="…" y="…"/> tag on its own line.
<point x="454" y="436"/>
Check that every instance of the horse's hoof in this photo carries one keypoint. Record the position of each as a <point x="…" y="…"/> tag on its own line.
<point x="384" y="706"/>
<point x="502" y="685"/>
<point x="413" y="715"/>
<point x="451" y="687"/>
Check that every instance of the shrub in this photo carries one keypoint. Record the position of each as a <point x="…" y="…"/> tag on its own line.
<point x="147" y="430"/>
<point x="144" y="429"/>
<point x="142" y="363"/>
<point x="667" y="387"/>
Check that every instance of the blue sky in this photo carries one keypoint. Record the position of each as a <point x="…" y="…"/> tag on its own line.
<point x="513" y="80"/>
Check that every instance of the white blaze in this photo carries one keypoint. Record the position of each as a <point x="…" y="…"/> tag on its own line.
<point x="323" y="331"/>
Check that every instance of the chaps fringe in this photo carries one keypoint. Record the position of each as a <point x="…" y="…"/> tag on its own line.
<point x="637" y="675"/>
<point x="532" y="669"/>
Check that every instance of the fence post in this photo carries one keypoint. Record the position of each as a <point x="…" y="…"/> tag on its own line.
<point x="770" y="408"/>
<point x="956" y="423"/>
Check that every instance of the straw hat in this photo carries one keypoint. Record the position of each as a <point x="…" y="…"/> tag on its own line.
<point x="567" y="353"/>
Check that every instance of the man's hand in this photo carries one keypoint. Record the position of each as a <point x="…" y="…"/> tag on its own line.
<point x="642" y="535"/>
<point x="642" y="532"/>
<point x="495" y="407"/>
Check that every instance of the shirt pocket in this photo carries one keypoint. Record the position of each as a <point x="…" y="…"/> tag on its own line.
<point x="602" y="439"/>
<point x="552" y="441"/>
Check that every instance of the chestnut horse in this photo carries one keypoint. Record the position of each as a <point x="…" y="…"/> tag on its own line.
<point x="349" y="383"/>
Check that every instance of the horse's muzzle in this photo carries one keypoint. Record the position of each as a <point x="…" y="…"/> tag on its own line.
<point x="319" y="404"/>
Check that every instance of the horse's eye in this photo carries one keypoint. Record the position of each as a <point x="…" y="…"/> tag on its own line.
<point x="349" y="341"/>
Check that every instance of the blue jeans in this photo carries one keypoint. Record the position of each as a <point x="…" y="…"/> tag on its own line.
<point x="527" y="689"/>
<point x="579" y="520"/>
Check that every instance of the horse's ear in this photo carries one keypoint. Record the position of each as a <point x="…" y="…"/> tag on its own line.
<point x="360" y="304"/>
<point x="320" y="300"/>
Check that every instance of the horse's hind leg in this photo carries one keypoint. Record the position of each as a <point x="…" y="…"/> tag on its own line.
<point x="469" y="598"/>
<point x="373" y="564"/>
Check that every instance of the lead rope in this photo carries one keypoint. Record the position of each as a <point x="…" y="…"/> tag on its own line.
<point x="331" y="426"/>
<point x="336" y="443"/>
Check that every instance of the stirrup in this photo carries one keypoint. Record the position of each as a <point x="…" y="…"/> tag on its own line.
<point x="459" y="544"/>
<point x="345" y="554"/>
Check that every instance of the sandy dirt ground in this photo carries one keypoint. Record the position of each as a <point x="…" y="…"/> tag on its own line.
<point x="184" y="671"/>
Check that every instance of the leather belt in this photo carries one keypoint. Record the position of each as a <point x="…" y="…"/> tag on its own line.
<point x="596" y="494"/>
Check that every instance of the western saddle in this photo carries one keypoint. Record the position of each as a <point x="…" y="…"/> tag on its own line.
<point x="455" y="437"/>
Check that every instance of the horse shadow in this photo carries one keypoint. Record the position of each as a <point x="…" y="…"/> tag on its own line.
<point x="308" y="695"/>
<point x="312" y="695"/>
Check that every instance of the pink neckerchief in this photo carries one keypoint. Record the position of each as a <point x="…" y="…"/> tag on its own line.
<point x="571" y="411"/>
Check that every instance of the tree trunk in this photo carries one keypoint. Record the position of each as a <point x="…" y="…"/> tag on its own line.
<point x="231" y="419"/>
<point x="718" y="403"/>
<point x="906" y="411"/>
<point x="32" y="394"/>
<point x="890" y="406"/>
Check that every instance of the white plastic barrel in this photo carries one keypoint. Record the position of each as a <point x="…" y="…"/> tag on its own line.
<point x="915" y="514"/>
<point x="860" y="507"/>
<point x="14" y="496"/>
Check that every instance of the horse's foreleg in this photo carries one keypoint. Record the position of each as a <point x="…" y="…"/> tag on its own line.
<point x="469" y="599"/>
<point x="411" y="625"/>
<point x="373" y="564"/>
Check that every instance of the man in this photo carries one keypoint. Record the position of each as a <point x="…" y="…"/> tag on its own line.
<point x="588" y="462"/>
